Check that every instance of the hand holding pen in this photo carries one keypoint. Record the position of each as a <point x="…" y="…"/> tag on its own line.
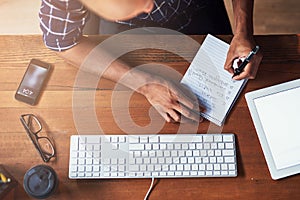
<point x="239" y="49"/>
<point x="240" y="68"/>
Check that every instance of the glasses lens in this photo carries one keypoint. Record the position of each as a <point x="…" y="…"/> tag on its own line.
<point x="46" y="146"/>
<point x="33" y="124"/>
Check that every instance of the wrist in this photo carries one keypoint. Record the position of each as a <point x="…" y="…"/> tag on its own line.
<point x="139" y="81"/>
<point x="244" y="28"/>
<point x="243" y="15"/>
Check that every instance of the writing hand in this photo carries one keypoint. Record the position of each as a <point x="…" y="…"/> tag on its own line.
<point x="240" y="47"/>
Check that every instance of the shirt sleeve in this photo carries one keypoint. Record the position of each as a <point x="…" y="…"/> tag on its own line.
<point x="62" y="23"/>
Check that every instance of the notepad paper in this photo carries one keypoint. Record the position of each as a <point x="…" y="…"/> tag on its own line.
<point x="207" y="79"/>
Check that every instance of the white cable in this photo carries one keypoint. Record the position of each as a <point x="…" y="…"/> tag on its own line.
<point x="150" y="188"/>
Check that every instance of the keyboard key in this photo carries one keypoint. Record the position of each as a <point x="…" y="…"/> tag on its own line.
<point x="196" y="153"/>
<point x="209" y="167"/>
<point x="74" y="143"/>
<point x="150" y="168"/>
<point x="192" y="146"/>
<point x="134" y="139"/>
<point x="172" y="167"/>
<point x="209" y="173"/>
<point x="180" y="167"/>
<point x="202" y="167"/>
<point x="229" y="159"/>
<point x="93" y="139"/>
<point x="231" y="166"/>
<point x="183" y="160"/>
<point x="88" y="168"/>
<point x="191" y="160"/>
<point x="233" y="173"/>
<point x="217" y="167"/>
<point x="155" y="146"/>
<point x="122" y="140"/>
<point x="229" y="145"/>
<point x="153" y="139"/>
<point x="148" y="147"/>
<point x="224" y="167"/>
<point x="221" y="146"/>
<point x="217" y="173"/>
<point x="159" y="153"/>
<point x="195" y="167"/>
<point x="144" y="139"/>
<point x="134" y="147"/>
<point x="208" y="138"/>
<point x="185" y="146"/>
<point x="170" y="173"/>
<point x="178" y="173"/>
<point x="186" y="173"/>
<point x="96" y="168"/>
<point x="220" y="159"/>
<point x="153" y="160"/>
<point x="74" y="168"/>
<point x="143" y="168"/>
<point x="205" y="160"/>
<point x="170" y="146"/>
<point x="157" y="167"/>
<point x="228" y="138"/>
<point x="134" y="168"/>
<point x="161" y="160"/>
<point x="218" y="138"/>
<point x="187" y="167"/>
<point x="81" y="168"/>
<point x="146" y="160"/>
<point x="228" y="152"/>
<point x="198" y="160"/>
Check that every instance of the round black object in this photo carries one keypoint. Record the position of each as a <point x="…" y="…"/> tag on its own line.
<point x="40" y="181"/>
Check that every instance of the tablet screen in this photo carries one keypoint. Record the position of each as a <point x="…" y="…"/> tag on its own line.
<point x="279" y="114"/>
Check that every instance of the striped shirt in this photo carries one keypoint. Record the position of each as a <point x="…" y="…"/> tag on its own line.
<point x="62" y="21"/>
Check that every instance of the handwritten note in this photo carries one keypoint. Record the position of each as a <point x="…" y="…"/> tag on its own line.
<point x="208" y="80"/>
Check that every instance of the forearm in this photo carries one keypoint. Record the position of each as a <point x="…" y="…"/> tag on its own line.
<point x="243" y="41"/>
<point x="78" y="54"/>
<point x="243" y="17"/>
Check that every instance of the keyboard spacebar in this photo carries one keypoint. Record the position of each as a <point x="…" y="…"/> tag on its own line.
<point x="180" y="138"/>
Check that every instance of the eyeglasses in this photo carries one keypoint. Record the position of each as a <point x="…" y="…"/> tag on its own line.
<point x="43" y="144"/>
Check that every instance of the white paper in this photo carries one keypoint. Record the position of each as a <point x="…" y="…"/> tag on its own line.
<point x="280" y="118"/>
<point x="207" y="79"/>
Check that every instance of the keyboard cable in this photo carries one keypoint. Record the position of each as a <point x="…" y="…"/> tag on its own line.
<point x="150" y="188"/>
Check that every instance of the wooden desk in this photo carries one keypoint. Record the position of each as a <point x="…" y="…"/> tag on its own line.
<point x="281" y="63"/>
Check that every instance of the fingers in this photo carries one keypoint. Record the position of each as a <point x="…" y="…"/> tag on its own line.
<point x="185" y="106"/>
<point x="177" y="112"/>
<point x="247" y="73"/>
<point x="229" y="63"/>
<point x="177" y="117"/>
<point x="172" y="102"/>
<point x="191" y="114"/>
<point x="251" y="69"/>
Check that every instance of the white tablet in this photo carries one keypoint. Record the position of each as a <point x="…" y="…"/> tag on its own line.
<point x="275" y="112"/>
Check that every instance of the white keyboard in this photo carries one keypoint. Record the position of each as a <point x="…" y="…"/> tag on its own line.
<point x="147" y="156"/>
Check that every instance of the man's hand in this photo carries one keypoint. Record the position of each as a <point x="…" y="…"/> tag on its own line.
<point x="240" y="47"/>
<point x="171" y="100"/>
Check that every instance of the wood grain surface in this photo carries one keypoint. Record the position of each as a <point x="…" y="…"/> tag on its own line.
<point x="281" y="63"/>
